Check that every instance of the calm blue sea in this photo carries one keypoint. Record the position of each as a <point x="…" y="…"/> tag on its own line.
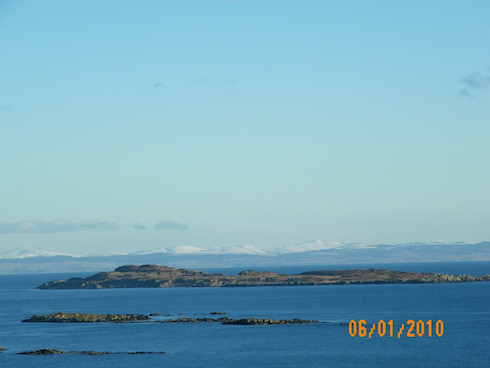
<point x="464" y="309"/>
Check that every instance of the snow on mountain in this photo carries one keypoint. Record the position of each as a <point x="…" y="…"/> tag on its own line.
<point x="243" y="249"/>
<point x="431" y="242"/>
<point x="308" y="246"/>
<point x="26" y="252"/>
<point x="188" y="249"/>
<point x="147" y="252"/>
<point x="361" y="246"/>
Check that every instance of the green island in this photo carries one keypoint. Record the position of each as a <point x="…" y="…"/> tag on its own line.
<point x="155" y="276"/>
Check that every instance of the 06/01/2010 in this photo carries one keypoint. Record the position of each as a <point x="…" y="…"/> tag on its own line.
<point x="413" y="329"/>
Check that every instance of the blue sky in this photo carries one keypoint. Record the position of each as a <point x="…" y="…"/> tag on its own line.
<point x="216" y="123"/>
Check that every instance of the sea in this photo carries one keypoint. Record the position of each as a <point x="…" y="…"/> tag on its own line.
<point x="460" y="339"/>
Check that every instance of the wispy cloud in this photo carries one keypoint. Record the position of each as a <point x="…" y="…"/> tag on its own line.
<point x="169" y="225"/>
<point x="56" y="226"/>
<point x="6" y="108"/>
<point x="474" y="82"/>
<point x="230" y="83"/>
<point x="465" y="93"/>
<point x="158" y="85"/>
<point x="139" y="226"/>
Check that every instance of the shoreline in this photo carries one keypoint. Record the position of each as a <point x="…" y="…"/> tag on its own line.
<point x="155" y="276"/>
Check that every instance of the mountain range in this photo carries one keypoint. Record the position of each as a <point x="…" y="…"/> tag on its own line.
<point x="27" y="260"/>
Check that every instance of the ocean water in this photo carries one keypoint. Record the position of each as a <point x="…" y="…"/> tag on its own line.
<point x="464" y="309"/>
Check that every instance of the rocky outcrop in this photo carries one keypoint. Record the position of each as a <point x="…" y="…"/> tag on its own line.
<point x="2" y="349"/>
<point x="121" y="318"/>
<point x="86" y="317"/>
<point x="161" y="276"/>
<point x="266" y="321"/>
<point x="241" y="321"/>
<point x="146" y="352"/>
<point x="188" y="320"/>
<point x="442" y="278"/>
<point x="47" y="351"/>
<point x="44" y="352"/>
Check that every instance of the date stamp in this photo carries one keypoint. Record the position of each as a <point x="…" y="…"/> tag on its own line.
<point x="410" y="328"/>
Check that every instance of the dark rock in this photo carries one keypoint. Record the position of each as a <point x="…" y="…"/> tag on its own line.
<point x="89" y="352"/>
<point x="44" y="352"/>
<point x="86" y="317"/>
<point x="266" y="321"/>
<point x="47" y="351"/>
<point x="148" y="352"/>
<point x="242" y="321"/>
<point x="188" y="320"/>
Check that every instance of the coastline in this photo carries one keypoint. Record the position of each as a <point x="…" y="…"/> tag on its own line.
<point x="156" y="276"/>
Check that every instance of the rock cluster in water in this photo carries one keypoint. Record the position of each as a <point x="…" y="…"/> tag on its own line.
<point x="87" y="317"/>
<point x="266" y="321"/>
<point x="123" y="318"/>
<point x="147" y="276"/>
<point x="47" y="351"/>
<point x="241" y="321"/>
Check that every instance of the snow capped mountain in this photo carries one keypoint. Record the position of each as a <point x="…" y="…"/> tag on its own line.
<point x="430" y="242"/>
<point x="308" y="246"/>
<point x="252" y="250"/>
<point x="26" y="252"/>
<point x="188" y="249"/>
<point x="243" y="249"/>
<point x="27" y="260"/>
<point x="147" y="252"/>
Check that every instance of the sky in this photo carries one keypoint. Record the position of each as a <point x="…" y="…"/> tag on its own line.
<point x="131" y="126"/>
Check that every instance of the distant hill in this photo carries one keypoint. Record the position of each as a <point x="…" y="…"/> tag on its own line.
<point x="28" y="261"/>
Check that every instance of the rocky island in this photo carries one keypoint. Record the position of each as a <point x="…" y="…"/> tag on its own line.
<point x="47" y="351"/>
<point x="155" y="276"/>
<point x="63" y="317"/>
<point x="87" y="317"/>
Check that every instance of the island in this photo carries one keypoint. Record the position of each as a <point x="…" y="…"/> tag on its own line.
<point x="155" y="276"/>
<point x="48" y="351"/>
<point x="87" y="317"/>
<point x="63" y="317"/>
